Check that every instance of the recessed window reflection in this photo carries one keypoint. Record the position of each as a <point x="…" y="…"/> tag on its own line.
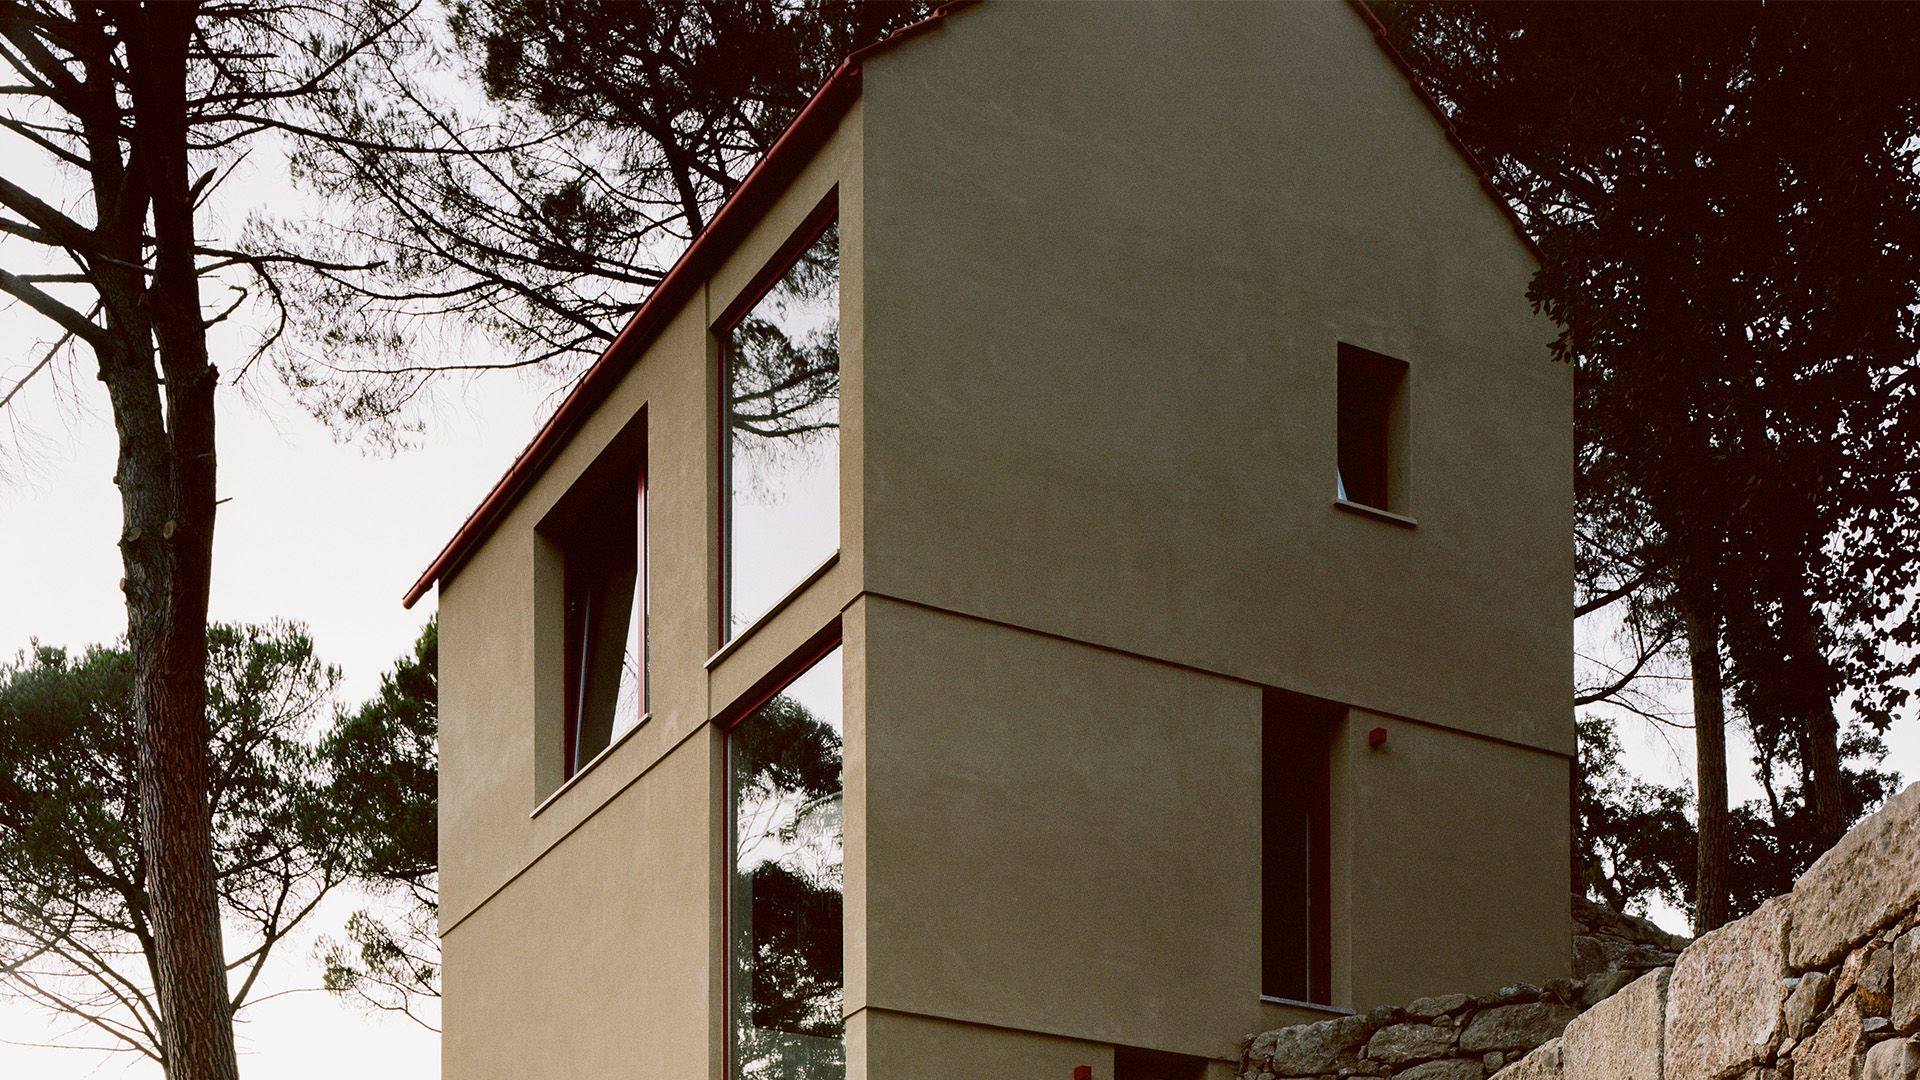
<point x="783" y="435"/>
<point x="785" y="908"/>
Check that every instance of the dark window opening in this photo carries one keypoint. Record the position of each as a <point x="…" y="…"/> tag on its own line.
<point x="1131" y="1063"/>
<point x="1296" y="886"/>
<point x="600" y="531"/>
<point x="1372" y="423"/>
<point x="606" y="631"/>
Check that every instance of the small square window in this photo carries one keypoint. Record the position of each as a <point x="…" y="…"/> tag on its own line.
<point x="1371" y="467"/>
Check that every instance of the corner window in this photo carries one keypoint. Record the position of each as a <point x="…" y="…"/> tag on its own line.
<point x="785" y="923"/>
<point x="1372" y="406"/>
<point x="781" y="387"/>
<point x="606" y="636"/>
<point x="1296" y="884"/>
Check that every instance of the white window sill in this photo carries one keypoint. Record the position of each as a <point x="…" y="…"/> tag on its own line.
<point x="1330" y="1010"/>
<point x="779" y="605"/>
<point x="588" y="767"/>
<point x="1376" y="513"/>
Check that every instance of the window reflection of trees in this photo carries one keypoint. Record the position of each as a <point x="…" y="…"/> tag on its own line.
<point x="788" y="890"/>
<point x="784" y="371"/>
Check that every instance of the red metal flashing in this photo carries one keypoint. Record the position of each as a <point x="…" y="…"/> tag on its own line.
<point x="804" y="135"/>
<point x="1446" y="125"/>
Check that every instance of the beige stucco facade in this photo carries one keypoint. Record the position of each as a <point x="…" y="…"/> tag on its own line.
<point x="1095" y="265"/>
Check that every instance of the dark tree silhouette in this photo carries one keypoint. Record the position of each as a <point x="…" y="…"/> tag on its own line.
<point x="77" y="928"/>
<point x="139" y="111"/>
<point x="542" y="217"/>
<point x="383" y="771"/>
<point x="1724" y="196"/>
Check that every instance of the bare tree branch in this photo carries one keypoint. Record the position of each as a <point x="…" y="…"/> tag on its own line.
<point x="65" y="317"/>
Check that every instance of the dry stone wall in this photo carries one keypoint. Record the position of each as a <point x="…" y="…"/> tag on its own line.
<point x="1820" y="984"/>
<point x="1453" y="1037"/>
<point x="1458" y="1037"/>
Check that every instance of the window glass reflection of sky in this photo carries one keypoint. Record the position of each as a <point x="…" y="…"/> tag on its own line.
<point x="783" y="414"/>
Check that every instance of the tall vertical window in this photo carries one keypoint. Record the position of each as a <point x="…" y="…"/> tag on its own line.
<point x="782" y="455"/>
<point x="785" y="905"/>
<point x="604" y="552"/>
<point x="1296" y="887"/>
<point x="1372" y="429"/>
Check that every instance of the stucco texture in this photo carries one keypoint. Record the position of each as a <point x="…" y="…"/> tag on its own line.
<point x="1110" y="253"/>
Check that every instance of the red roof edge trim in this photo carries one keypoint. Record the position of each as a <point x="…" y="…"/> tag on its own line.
<point x="1446" y="125"/>
<point x="814" y="121"/>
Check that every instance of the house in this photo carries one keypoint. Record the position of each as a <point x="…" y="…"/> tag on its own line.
<point x="1069" y="569"/>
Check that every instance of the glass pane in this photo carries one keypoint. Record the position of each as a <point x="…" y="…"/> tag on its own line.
<point x="631" y="704"/>
<point x="783" y="435"/>
<point x="785" y="905"/>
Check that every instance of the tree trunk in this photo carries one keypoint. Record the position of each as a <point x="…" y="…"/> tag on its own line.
<point x="1828" y="796"/>
<point x="1713" y="856"/>
<point x="1820" y="737"/>
<point x="167" y="490"/>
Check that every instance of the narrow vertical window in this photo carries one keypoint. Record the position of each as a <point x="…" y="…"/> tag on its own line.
<point x="1372" y="429"/>
<point x="782" y="456"/>
<point x="784" y="908"/>
<point x="1296" y="887"/>
<point x="605" y="560"/>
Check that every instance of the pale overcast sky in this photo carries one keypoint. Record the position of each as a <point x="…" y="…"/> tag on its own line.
<point x="315" y="531"/>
